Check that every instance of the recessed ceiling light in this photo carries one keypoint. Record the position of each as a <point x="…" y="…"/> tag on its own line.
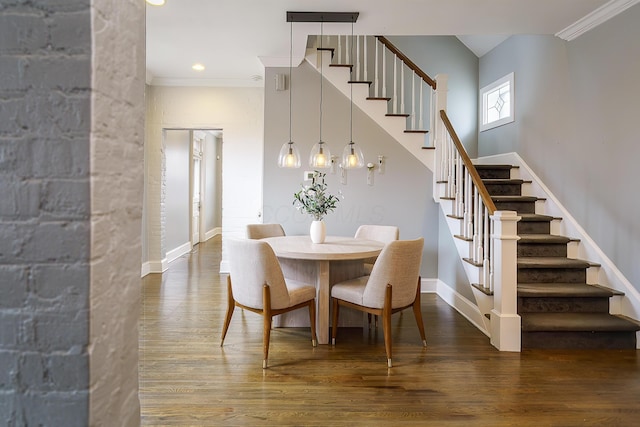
<point x="156" y="2"/>
<point x="198" y="67"/>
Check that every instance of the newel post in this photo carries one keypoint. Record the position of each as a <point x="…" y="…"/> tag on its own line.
<point x="505" y="321"/>
<point x="437" y="133"/>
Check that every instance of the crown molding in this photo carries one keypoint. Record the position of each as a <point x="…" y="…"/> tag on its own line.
<point x="161" y="81"/>
<point x="595" y="18"/>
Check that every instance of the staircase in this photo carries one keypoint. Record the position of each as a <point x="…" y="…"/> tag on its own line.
<point x="557" y="307"/>
<point x="559" y="303"/>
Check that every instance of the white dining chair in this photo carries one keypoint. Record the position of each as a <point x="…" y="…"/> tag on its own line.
<point x="260" y="231"/>
<point x="392" y="286"/>
<point x="256" y="283"/>
<point x="380" y="233"/>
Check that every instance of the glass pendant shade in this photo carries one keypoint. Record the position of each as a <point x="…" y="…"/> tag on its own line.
<point x="352" y="157"/>
<point x="320" y="156"/>
<point x="289" y="156"/>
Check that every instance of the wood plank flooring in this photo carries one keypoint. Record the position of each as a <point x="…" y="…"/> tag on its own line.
<point x="187" y="379"/>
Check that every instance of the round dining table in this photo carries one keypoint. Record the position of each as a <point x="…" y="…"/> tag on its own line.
<point x="321" y="264"/>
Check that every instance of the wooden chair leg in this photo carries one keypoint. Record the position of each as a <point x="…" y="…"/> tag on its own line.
<point x="266" y="333"/>
<point x="417" y="311"/>
<point x="386" y="323"/>
<point x="334" y="321"/>
<point x="312" y="322"/>
<point x="231" y="305"/>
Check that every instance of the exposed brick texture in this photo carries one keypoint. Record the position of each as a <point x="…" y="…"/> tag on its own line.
<point x="44" y="212"/>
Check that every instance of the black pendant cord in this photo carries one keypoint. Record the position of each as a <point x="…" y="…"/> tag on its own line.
<point x="321" y="78"/>
<point x="290" y="81"/>
<point x="351" y="90"/>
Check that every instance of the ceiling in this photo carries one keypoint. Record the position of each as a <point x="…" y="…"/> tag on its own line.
<point x="236" y="39"/>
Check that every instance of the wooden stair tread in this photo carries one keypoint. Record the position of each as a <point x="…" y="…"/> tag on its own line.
<point x="416" y="131"/>
<point x="562" y="290"/>
<point x="493" y="166"/>
<point x="527" y="217"/>
<point x="515" y="198"/>
<point x="397" y="115"/>
<point x="552" y="262"/>
<point x="513" y="181"/>
<point x="571" y="322"/>
<point x="378" y="98"/>
<point x="543" y="238"/>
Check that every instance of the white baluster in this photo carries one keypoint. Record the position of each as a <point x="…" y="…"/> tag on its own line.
<point x="413" y="100"/>
<point x="376" y="85"/>
<point x="468" y="226"/>
<point x="347" y="50"/>
<point x="420" y="106"/>
<point x="357" y="59"/>
<point x="402" y="73"/>
<point x="476" y="217"/>
<point x="365" y="60"/>
<point x="395" y="84"/>
<point x="480" y="250"/>
<point x="384" y="72"/>
<point x="459" y="187"/>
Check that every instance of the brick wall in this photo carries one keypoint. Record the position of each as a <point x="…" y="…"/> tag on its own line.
<point x="45" y="70"/>
<point x="71" y="132"/>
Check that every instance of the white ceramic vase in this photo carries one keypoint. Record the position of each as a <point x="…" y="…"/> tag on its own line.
<point x="318" y="231"/>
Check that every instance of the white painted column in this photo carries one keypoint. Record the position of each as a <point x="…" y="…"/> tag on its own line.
<point x="505" y="321"/>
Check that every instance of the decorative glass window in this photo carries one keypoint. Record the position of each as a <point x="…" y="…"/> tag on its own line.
<point x="496" y="103"/>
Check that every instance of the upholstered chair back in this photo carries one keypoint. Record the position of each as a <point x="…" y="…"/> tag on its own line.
<point x="381" y="233"/>
<point x="252" y="265"/>
<point x="399" y="265"/>
<point x="260" y="231"/>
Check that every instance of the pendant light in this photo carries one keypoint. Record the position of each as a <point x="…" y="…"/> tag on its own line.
<point x="289" y="156"/>
<point x="320" y="156"/>
<point x="352" y="157"/>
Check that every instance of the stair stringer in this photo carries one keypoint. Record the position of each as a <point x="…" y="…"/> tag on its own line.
<point x="376" y="109"/>
<point x="605" y="273"/>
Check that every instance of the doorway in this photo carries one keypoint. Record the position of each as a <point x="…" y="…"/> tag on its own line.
<point x="193" y="198"/>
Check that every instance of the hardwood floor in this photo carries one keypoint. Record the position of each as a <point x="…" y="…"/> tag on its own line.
<point x="187" y="379"/>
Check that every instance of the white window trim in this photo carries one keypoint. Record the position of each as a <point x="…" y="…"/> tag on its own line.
<point x="483" y="103"/>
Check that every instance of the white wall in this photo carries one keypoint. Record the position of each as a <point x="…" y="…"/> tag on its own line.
<point x="576" y="112"/>
<point x="238" y="112"/>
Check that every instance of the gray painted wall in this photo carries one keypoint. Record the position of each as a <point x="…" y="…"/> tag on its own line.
<point x="178" y="157"/>
<point x="577" y="108"/>
<point x="402" y="196"/>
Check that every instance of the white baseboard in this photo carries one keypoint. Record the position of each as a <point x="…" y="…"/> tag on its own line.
<point x="154" y="267"/>
<point x="176" y="253"/>
<point x="428" y="286"/>
<point x="212" y="233"/>
<point x="462" y="305"/>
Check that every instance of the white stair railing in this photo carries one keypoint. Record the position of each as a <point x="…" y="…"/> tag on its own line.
<point x="492" y="233"/>
<point x="393" y="75"/>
